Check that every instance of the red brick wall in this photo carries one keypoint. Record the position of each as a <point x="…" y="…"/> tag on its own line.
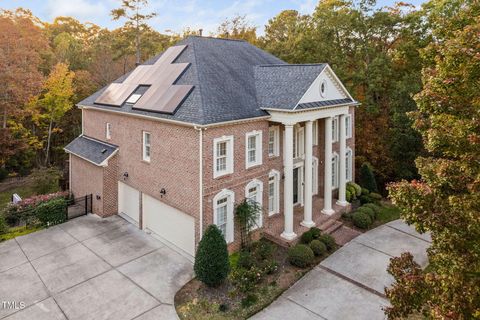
<point x="174" y="157"/>
<point x="110" y="185"/>
<point x="87" y="178"/>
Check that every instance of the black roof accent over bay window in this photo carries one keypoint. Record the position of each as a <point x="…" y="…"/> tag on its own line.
<point x="91" y="149"/>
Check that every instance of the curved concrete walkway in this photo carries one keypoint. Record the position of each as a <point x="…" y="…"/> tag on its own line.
<point x="350" y="283"/>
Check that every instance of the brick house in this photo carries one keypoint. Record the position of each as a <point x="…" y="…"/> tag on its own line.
<point x="176" y="143"/>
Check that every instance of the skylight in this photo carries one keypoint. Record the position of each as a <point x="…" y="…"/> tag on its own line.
<point x="133" y="98"/>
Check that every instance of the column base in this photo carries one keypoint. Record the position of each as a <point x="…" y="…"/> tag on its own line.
<point x="308" y="224"/>
<point x="328" y="211"/>
<point x="342" y="203"/>
<point x="288" y="236"/>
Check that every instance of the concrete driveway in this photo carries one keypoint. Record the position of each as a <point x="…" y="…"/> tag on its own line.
<point x="350" y="283"/>
<point x="90" y="268"/>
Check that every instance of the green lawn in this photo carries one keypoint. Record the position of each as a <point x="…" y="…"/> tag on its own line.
<point x="24" y="192"/>
<point x="387" y="213"/>
<point x="18" y="231"/>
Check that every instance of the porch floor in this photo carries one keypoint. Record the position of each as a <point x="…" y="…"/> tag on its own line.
<point x="274" y="225"/>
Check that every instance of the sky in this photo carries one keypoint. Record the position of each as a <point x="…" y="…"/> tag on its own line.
<point x="174" y="15"/>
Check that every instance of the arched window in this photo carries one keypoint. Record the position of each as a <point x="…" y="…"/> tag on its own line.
<point x="349" y="164"/>
<point x="315" y="176"/>
<point x="223" y="213"/>
<point x="335" y="170"/>
<point x="254" y="193"/>
<point x="273" y="192"/>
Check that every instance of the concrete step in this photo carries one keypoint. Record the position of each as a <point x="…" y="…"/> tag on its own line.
<point x="334" y="227"/>
<point x="327" y="224"/>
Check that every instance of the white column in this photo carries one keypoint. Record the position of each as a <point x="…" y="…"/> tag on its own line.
<point x="288" y="184"/>
<point x="307" y="209"/>
<point x="327" y="185"/>
<point x="342" y="183"/>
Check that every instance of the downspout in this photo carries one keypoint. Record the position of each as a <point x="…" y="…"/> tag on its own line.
<point x="200" y="178"/>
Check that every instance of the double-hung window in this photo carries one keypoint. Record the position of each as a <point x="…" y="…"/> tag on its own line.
<point x="223" y="156"/>
<point x="315" y="132"/>
<point x="108" y="131"/>
<point x="335" y="171"/>
<point x="349" y="164"/>
<point x="335" y="129"/>
<point x="348" y="126"/>
<point x="223" y="213"/>
<point x="273" y="141"/>
<point x="253" y="193"/>
<point x="253" y="148"/>
<point x="146" y="146"/>
<point x="273" y="192"/>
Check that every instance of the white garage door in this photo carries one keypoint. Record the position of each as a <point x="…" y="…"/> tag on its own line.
<point x="170" y="224"/>
<point x="129" y="202"/>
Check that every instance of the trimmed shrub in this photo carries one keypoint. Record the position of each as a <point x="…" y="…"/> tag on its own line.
<point x="310" y="235"/>
<point x="328" y="241"/>
<point x="356" y="187"/>
<point x="365" y="191"/>
<point x="375" y="196"/>
<point x="300" y="255"/>
<point x="348" y="195"/>
<point x="352" y="191"/>
<point x="262" y="250"/>
<point x="365" y="199"/>
<point x="211" y="261"/>
<point x="374" y="207"/>
<point x="368" y="211"/>
<point x="52" y="212"/>
<point x="245" y="260"/>
<point x="367" y="178"/>
<point x="361" y="220"/>
<point x="318" y="247"/>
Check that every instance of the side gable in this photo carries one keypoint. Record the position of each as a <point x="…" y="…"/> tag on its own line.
<point x="326" y="87"/>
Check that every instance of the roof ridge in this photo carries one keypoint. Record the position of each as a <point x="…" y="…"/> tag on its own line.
<point x="216" y="38"/>
<point x="290" y="65"/>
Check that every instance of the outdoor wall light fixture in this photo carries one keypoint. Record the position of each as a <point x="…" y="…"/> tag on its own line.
<point x="98" y="197"/>
<point x="125" y="175"/>
<point x="163" y="192"/>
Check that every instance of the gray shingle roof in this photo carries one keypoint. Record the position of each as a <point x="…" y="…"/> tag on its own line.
<point x="232" y="80"/>
<point x="282" y="86"/>
<point x="326" y="103"/>
<point x="91" y="149"/>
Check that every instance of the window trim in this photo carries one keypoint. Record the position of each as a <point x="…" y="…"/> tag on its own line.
<point x="276" y="141"/>
<point x="315" y="132"/>
<point x="258" y="149"/>
<point x="276" y="192"/>
<point x="229" y="164"/>
<point x="348" y="126"/>
<point x="108" y="130"/>
<point x="299" y="142"/>
<point x="144" y="146"/>
<point x="259" y="184"/>
<point x="230" y="195"/>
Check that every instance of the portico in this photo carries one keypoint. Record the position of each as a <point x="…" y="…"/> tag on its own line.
<point x="298" y="163"/>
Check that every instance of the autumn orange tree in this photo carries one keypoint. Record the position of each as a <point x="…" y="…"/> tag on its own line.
<point x="446" y="201"/>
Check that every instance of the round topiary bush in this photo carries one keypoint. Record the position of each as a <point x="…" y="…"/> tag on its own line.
<point x="310" y="235"/>
<point x="365" y="191"/>
<point x="318" y="247"/>
<point x="211" y="261"/>
<point x="361" y="220"/>
<point x="300" y="255"/>
<point x="368" y="211"/>
<point x="376" y="208"/>
<point x="353" y="193"/>
<point x="375" y="196"/>
<point x="348" y="195"/>
<point x="355" y="187"/>
<point x="328" y="241"/>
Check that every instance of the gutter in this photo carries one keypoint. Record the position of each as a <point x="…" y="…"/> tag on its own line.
<point x="355" y="104"/>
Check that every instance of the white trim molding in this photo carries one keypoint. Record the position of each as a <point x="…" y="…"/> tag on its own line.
<point x="255" y="183"/>
<point x="275" y="208"/>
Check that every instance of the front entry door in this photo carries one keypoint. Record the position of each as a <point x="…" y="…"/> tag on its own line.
<point x="295" y="185"/>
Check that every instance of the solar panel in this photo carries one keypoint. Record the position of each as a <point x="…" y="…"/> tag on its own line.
<point x="162" y="95"/>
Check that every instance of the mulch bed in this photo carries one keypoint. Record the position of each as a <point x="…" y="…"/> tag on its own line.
<point x="197" y="301"/>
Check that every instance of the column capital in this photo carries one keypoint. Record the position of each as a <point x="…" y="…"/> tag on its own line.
<point x="289" y="124"/>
